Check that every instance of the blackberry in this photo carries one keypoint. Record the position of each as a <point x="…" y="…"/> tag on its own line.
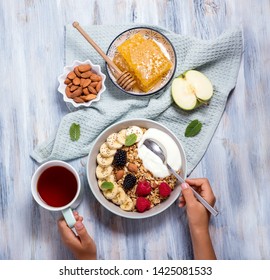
<point x="120" y="158"/>
<point x="129" y="181"/>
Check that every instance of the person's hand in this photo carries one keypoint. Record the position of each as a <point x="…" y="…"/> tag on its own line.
<point x="82" y="246"/>
<point x="198" y="215"/>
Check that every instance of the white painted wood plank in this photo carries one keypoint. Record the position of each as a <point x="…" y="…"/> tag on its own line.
<point x="236" y="162"/>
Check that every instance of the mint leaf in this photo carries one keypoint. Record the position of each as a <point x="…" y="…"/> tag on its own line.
<point x="75" y="132"/>
<point x="193" y="128"/>
<point x="107" y="185"/>
<point x="131" y="139"/>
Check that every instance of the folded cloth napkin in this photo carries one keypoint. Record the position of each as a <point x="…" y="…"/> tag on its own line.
<point x="218" y="59"/>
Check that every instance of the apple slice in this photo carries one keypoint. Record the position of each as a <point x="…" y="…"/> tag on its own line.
<point x="191" y="89"/>
<point x="183" y="95"/>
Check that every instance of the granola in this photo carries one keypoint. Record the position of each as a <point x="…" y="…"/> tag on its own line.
<point x="124" y="169"/>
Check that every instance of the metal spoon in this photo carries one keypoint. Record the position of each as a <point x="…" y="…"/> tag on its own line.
<point x="161" y="153"/>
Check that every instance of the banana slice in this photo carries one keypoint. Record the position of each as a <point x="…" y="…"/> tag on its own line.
<point x="111" y="194"/>
<point x="127" y="205"/>
<point x="103" y="172"/>
<point x="105" y="151"/>
<point x="120" y="197"/>
<point x="112" y="142"/>
<point x="110" y="178"/>
<point x="104" y="161"/>
<point x="121" y="136"/>
<point x="136" y="130"/>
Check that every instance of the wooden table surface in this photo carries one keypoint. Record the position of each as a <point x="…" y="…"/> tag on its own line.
<point x="237" y="162"/>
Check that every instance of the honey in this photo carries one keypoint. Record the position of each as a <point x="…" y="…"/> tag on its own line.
<point x="144" y="59"/>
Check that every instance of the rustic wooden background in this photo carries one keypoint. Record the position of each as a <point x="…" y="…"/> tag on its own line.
<point x="237" y="161"/>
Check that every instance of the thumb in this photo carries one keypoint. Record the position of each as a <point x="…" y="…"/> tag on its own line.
<point x="188" y="194"/>
<point x="82" y="232"/>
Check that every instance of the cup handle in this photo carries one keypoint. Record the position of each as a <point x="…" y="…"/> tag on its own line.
<point x="69" y="217"/>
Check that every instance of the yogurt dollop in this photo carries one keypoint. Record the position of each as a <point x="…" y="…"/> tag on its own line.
<point x="151" y="161"/>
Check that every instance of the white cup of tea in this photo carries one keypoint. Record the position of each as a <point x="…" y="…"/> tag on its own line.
<point x="56" y="186"/>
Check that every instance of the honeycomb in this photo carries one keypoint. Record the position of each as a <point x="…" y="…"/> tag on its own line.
<point x="144" y="59"/>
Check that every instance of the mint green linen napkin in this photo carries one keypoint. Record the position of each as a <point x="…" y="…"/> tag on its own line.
<point x="219" y="59"/>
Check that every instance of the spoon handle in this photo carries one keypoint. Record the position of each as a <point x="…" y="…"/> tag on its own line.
<point x="213" y="211"/>
<point x="97" y="48"/>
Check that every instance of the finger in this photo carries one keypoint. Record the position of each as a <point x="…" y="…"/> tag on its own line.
<point x="66" y="233"/>
<point x="77" y="216"/>
<point x="82" y="232"/>
<point x="203" y="187"/>
<point x="181" y="198"/>
<point x="200" y="185"/>
<point x="188" y="195"/>
<point x="182" y="204"/>
<point x="182" y="201"/>
<point x="198" y="182"/>
<point x="80" y="218"/>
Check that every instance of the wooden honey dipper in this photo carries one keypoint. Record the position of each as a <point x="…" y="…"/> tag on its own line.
<point x="124" y="79"/>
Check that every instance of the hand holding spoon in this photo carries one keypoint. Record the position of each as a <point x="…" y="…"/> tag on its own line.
<point x="156" y="149"/>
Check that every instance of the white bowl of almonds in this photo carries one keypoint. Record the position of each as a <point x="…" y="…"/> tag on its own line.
<point x="126" y="177"/>
<point x="81" y="83"/>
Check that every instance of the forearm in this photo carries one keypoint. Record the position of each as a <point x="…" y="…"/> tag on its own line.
<point x="202" y="245"/>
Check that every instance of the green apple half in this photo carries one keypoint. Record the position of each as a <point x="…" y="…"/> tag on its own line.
<point x="191" y="89"/>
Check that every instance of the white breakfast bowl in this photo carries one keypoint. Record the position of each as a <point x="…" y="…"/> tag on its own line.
<point x="92" y="163"/>
<point x="63" y="76"/>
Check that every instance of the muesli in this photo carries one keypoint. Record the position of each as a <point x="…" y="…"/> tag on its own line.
<point x="122" y="175"/>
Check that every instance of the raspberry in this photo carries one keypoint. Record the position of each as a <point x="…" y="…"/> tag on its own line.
<point x="120" y="158"/>
<point x="142" y="204"/>
<point x="129" y="181"/>
<point x="143" y="188"/>
<point x="164" y="189"/>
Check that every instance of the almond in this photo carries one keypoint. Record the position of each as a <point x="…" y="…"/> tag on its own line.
<point x="77" y="92"/>
<point x="95" y="78"/>
<point x="88" y="97"/>
<point x="76" y="81"/>
<point x="98" y="87"/>
<point x="86" y="91"/>
<point x="71" y="75"/>
<point x="78" y="99"/>
<point x="77" y="72"/>
<point x="67" y="81"/>
<point x="86" y="83"/>
<point x="119" y="174"/>
<point x="84" y="67"/>
<point x="92" y="90"/>
<point x="73" y="87"/>
<point x="68" y="92"/>
<point x="86" y="74"/>
<point x="94" y="84"/>
<point x="132" y="167"/>
<point x="82" y="81"/>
